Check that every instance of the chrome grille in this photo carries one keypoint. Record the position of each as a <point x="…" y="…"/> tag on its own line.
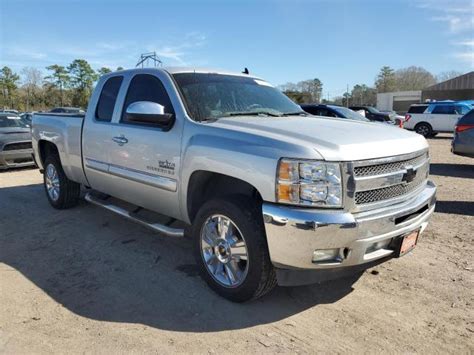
<point x="386" y="193"/>
<point x="381" y="182"/>
<point x="386" y="168"/>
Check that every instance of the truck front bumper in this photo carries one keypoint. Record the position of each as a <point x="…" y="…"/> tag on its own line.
<point x="297" y="237"/>
<point x="16" y="158"/>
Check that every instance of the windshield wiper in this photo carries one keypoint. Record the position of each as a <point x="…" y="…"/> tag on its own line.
<point x="299" y="113"/>
<point x="253" y="113"/>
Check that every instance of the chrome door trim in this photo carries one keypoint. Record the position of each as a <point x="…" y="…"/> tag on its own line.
<point x="159" y="181"/>
<point x="97" y="165"/>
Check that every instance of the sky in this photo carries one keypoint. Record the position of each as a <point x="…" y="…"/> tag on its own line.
<point x="341" y="42"/>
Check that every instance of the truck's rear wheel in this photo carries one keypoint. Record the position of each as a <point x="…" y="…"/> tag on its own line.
<point x="62" y="193"/>
<point x="231" y="249"/>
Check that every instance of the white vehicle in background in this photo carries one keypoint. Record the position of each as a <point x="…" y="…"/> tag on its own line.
<point x="431" y="118"/>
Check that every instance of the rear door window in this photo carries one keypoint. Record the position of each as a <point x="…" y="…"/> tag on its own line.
<point x="107" y="99"/>
<point x="444" y="110"/>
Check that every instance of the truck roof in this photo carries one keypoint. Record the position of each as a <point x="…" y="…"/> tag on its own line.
<point x="177" y="70"/>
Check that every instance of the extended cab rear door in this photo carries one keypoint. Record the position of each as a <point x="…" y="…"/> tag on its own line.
<point x="97" y="131"/>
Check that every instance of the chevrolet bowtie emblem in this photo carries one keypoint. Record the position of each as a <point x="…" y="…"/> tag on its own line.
<point x="410" y="175"/>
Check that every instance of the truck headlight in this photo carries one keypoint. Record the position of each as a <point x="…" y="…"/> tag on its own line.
<point x="313" y="183"/>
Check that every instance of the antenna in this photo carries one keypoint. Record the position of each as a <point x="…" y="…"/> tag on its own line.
<point x="145" y="59"/>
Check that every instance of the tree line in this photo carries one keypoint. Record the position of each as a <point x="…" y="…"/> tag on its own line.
<point x="72" y="85"/>
<point x="387" y="80"/>
<point x="69" y="85"/>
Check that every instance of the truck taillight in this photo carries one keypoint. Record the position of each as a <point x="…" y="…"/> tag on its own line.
<point x="464" y="127"/>
<point x="407" y="117"/>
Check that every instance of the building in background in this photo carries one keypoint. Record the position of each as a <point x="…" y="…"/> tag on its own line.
<point x="398" y="101"/>
<point x="458" y="88"/>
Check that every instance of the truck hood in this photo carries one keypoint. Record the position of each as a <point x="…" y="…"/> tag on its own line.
<point x="333" y="138"/>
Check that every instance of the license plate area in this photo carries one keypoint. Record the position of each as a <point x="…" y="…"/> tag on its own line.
<point x="407" y="242"/>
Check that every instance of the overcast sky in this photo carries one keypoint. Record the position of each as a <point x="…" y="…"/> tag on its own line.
<point x="340" y="42"/>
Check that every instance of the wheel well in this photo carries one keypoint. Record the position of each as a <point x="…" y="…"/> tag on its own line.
<point x="46" y="148"/>
<point x="205" y="185"/>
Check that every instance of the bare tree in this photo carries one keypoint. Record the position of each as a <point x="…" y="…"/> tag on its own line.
<point x="446" y="75"/>
<point x="32" y="79"/>
<point x="413" y="78"/>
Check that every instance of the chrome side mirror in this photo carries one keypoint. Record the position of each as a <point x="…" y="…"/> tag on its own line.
<point x="148" y="112"/>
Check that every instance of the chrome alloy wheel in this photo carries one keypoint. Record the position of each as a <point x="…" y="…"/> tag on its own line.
<point x="224" y="251"/>
<point x="52" y="182"/>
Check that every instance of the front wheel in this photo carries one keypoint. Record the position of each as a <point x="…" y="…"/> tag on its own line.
<point x="231" y="249"/>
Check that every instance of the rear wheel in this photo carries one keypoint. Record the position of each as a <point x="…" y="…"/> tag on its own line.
<point x="62" y="193"/>
<point x="424" y="129"/>
<point x="231" y="249"/>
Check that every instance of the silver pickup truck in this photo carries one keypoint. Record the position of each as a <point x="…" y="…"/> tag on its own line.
<point x="268" y="193"/>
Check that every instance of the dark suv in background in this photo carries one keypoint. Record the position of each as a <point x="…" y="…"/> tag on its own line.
<point x="373" y="114"/>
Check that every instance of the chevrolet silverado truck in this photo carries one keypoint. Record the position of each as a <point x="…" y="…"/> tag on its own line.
<point x="268" y="193"/>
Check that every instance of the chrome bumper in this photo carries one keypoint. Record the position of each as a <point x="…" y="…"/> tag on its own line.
<point x="293" y="234"/>
<point x="16" y="158"/>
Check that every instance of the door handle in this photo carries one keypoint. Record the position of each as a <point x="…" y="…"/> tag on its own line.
<point x="121" y="140"/>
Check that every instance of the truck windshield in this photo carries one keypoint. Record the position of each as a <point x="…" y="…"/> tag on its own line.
<point x="213" y="96"/>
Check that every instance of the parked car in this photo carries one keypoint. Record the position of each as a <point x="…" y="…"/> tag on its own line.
<point x="431" y="118"/>
<point x="271" y="195"/>
<point x="333" y="111"/>
<point x="463" y="140"/>
<point x="67" y="110"/>
<point x="15" y="142"/>
<point x="373" y="114"/>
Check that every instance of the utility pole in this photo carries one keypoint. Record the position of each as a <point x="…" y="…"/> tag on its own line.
<point x="347" y="96"/>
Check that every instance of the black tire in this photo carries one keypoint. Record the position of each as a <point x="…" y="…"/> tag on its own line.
<point x="424" y="129"/>
<point x="246" y="215"/>
<point x="69" y="190"/>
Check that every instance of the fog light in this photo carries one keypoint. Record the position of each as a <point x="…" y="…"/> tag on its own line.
<point x="383" y="244"/>
<point x="327" y="255"/>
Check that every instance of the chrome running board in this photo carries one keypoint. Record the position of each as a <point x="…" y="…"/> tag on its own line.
<point x="157" y="227"/>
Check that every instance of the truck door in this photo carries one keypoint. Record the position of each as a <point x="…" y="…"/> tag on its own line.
<point x="145" y="158"/>
<point x="98" y="124"/>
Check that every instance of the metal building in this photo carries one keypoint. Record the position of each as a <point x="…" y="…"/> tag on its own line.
<point x="458" y="88"/>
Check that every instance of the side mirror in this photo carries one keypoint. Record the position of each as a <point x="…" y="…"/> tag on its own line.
<point x="149" y="113"/>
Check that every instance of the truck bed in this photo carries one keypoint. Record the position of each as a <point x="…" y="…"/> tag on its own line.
<point x="65" y="130"/>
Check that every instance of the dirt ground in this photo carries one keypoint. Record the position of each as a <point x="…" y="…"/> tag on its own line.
<point x="85" y="280"/>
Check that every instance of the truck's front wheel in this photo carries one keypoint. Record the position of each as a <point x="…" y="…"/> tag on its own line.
<point x="231" y="249"/>
<point x="61" y="192"/>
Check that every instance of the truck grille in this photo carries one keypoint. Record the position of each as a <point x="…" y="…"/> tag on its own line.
<point x="386" y="168"/>
<point x="17" y="146"/>
<point x="393" y="191"/>
<point x="382" y="180"/>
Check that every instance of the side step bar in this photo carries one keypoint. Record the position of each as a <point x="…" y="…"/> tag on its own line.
<point x="157" y="227"/>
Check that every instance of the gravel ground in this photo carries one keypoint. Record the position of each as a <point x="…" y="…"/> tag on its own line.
<point x="85" y="280"/>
